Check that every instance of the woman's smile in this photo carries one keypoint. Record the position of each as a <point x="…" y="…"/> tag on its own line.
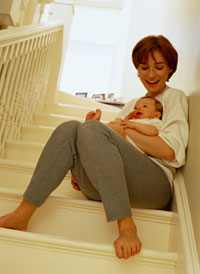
<point x="154" y="73"/>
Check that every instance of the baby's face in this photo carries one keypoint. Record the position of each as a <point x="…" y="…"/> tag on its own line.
<point x="145" y="108"/>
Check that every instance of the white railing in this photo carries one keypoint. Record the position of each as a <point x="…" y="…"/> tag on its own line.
<point x="30" y="59"/>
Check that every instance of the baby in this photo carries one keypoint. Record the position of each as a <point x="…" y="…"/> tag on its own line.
<point x="145" y="118"/>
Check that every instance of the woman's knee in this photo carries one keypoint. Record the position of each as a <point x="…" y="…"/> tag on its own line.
<point x="67" y="128"/>
<point x="89" y="129"/>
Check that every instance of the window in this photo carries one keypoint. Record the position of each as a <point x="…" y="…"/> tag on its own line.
<point x="91" y="51"/>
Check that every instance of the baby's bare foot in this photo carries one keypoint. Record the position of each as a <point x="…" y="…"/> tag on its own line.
<point x="98" y="114"/>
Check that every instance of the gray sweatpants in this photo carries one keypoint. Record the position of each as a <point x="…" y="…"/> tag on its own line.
<point x="106" y="167"/>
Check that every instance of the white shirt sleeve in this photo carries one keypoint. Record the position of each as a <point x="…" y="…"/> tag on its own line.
<point x="175" y="131"/>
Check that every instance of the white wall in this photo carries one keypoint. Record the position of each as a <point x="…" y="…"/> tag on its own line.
<point x="184" y="28"/>
<point x="179" y="21"/>
<point x="146" y="19"/>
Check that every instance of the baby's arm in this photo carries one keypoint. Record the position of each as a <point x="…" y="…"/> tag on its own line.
<point x="145" y="129"/>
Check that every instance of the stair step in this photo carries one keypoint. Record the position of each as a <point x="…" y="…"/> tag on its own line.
<point x="85" y="220"/>
<point x="35" y="133"/>
<point x="66" y="98"/>
<point x="23" y="151"/>
<point x="78" y="229"/>
<point x="49" y="254"/>
<point x="16" y="175"/>
<point x="79" y="111"/>
<point x="53" y="120"/>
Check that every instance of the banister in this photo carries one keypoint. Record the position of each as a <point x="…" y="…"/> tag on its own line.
<point x="30" y="59"/>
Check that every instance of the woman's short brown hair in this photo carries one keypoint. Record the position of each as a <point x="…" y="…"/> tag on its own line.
<point x="151" y="43"/>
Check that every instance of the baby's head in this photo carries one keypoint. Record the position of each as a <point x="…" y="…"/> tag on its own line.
<point x="148" y="107"/>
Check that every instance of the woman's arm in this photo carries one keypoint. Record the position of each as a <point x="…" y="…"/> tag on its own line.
<point x="152" y="145"/>
<point x="117" y="128"/>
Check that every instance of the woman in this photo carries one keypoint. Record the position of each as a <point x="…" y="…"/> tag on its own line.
<point x="106" y="166"/>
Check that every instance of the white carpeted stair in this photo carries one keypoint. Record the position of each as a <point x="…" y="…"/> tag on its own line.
<point x="69" y="234"/>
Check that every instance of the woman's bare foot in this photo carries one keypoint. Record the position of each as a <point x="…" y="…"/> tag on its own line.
<point x="13" y="221"/>
<point x="128" y="243"/>
<point x="19" y="218"/>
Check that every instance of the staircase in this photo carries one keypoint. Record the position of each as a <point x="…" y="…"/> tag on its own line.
<point x="70" y="234"/>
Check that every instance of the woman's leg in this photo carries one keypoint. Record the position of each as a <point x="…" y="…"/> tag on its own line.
<point x="57" y="158"/>
<point x="120" y="172"/>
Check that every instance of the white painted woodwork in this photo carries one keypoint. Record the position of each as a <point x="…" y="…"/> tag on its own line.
<point x="9" y="12"/>
<point x="27" y="56"/>
<point x="66" y="98"/>
<point x="34" y="133"/>
<point x="189" y="247"/>
<point x="80" y="228"/>
<point x="81" y="111"/>
<point x="16" y="175"/>
<point x="44" y="253"/>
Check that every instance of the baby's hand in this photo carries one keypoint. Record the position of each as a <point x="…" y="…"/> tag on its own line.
<point x="131" y="115"/>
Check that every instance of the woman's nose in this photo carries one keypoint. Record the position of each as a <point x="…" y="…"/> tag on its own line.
<point x="151" y="73"/>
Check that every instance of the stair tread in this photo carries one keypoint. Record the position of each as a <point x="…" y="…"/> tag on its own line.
<point x="24" y="143"/>
<point x="85" y="108"/>
<point x="55" y="115"/>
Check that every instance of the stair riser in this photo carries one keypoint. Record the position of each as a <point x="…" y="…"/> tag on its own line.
<point x="86" y="221"/>
<point x="41" y="256"/>
<point x="53" y="121"/>
<point x="22" y="153"/>
<point x="82" y="102"/>
<point x="40" y="135"/>
<point x="19" y="180"/>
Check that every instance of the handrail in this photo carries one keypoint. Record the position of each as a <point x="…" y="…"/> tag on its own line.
<point x="30" y="59"/>
<point x="10" y="35"/>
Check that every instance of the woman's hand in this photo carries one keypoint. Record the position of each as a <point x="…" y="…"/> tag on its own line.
<point x="74" y="184"/>
<point x="127" y="124"/>
<point x="94" y="115"/>
<point x="145" y="129"/>
<point x="117" y="128"/>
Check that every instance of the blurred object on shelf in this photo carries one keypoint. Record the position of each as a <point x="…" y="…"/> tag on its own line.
<point x="82" y="94"/>
<point x="101" y="96"/>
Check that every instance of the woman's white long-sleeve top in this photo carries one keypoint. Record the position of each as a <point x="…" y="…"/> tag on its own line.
<point x="175" y="131"/>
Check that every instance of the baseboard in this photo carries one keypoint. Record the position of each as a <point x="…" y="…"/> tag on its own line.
<point x="188" y="241"/>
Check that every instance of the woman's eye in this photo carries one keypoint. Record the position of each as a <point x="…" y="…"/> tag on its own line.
<point x="144" y="68"/>
<point x="159" y="68"/>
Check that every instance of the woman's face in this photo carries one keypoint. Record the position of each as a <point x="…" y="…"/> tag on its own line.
<point x="154" y="74"/>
